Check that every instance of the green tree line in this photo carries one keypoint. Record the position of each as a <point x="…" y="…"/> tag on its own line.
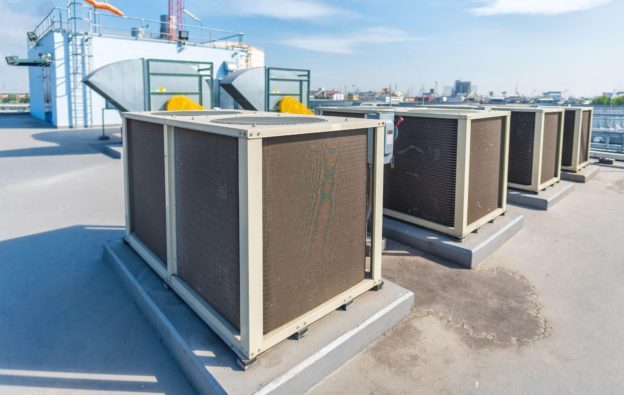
<point x="606" y="101"/>
<point x="12" y="98"/>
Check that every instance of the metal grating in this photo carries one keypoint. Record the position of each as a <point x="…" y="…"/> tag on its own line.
<point x="550" y="163"/>
<point x="146" y="172"/>
<point x="282" y="120"/>
<point x="521" y="140"/>
<point x="585" y="136"/>
<point x="422" y="180"/>
<point x="343" y="114"/>
<point x="487" y="155"/>
<point x="206" y="181"/>
<point x="567" y="148"/>
<point x="314" y="220"/>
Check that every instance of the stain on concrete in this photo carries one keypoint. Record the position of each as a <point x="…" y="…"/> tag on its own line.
<point x="617" y="186"/>
<point x="493" y="307"/>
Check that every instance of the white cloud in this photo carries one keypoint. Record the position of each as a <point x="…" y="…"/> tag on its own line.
<point x="283" y="9"/>
<point x="349" y="43"/>
<point x="535" y="7"/>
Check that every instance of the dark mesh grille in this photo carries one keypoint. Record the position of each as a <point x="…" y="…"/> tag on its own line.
<point x="585" y="136"/>
<point x="521" y="139"/>
<point x="269" y="120"/>
<point x="195" y="113"/>
<point x="552" y="125"/>
<point x="422" y="181"/>
<point x="146" y="172"/>
<point x="206" y="177"/>
<point x="486" y="162"/>
<point x="568" y="137"/>
<point x="314" y="220"/>
<point x="343" y="114"/>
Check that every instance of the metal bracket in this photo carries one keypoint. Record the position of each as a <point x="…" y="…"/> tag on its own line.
<point x="346" y="306"/>
<point x="300" y="334"/>
<point x="245" y="364"/>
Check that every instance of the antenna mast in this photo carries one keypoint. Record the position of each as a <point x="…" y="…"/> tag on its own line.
<point x="176" y="19"/>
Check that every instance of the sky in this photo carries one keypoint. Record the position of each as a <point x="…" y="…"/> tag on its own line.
<point x="500" y="45"/>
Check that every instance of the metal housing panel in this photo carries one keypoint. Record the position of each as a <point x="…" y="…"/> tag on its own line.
<point x="550" y="158"/>
<point x="314" y="221"/>
<point x="521" y="143"/>
<point x="422" y="180"/>
<point x="206" y="185"/>
<point x="585" y="136"/>
<point x="569" y="126"/>
<point x="345" y="114"/>
<point x="487" y="155"/>
<point x="146" y="172"/>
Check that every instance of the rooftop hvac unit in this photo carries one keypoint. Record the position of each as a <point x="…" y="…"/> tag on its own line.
<point x="449" y="170"/>
<point x="577" y="126"/>
<point x="536" y="136"/>
<point x="258" y="221"/>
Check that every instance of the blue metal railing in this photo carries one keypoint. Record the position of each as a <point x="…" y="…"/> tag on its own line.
<point x="108" y="25"/>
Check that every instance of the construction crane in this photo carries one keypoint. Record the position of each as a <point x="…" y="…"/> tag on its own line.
<point x="176" y="19"/>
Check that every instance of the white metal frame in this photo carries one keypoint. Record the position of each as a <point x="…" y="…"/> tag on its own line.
<point x="250" y="341"/>
<point x="461" y="227"/>
<point x="538" y="147"/>
<point x="579" y="115"/>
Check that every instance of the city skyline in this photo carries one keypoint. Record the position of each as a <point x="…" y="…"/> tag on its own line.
<point x="499" y="45"/>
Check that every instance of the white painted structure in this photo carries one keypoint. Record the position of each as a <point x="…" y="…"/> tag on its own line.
<point x="79" y="44"/>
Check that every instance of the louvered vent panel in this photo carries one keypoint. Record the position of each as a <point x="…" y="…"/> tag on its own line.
<point x="486" y="162"/>
<point x="568" y="138"/>
<point x="550" y="165"/>
<point x="314" y="220"/>
<point x="146" y="171"/>
<point x="521" y="139"/>
<point x="343" y="114"/>
<point x="206" y="178"/>
<point x="585" y="136"/>
<point x="421" y="182"/>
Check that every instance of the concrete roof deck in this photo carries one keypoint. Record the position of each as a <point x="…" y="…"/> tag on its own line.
<point x="544" y="314"/>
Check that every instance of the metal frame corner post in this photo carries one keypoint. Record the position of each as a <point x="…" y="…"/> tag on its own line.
<point x="251" y="245"/>
<point x="462" y="176"/>
<point x="170" y="200"/>
<point x="377" y="203"/>
<point x="126" y="169"/>
<point x="505" y="167"/>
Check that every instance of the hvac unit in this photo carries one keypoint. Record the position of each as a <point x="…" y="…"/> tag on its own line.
<point x="449" y="170"/>
<point x="258" y="221"/>
<point x="536" y="136"/>
<point x="577" y="126"/>
<point x="449" y="167"/>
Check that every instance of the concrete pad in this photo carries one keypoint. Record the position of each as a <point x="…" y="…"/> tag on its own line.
<point x="469" y="252"/>
<point x="291" y="367"/>
<point x="543" y="200"/>
<point x="113" y="150"/>
<point x="583" y="175"/>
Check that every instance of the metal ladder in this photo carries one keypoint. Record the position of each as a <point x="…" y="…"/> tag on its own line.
<point x="80" y="56"/>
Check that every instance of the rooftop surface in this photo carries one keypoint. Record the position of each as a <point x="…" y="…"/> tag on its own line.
<point x="544" y="314"/>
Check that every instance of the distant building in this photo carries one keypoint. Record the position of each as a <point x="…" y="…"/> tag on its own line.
<point x="329" y="94"/>
<point x="462" y="88"/>
<point x="353" y="96"/>
<point x="368" y="96"/>
<point x="553" y="95"/>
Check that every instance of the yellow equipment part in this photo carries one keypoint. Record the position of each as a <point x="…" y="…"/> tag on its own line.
<point x="183" y="103"/>
<point x="290" y="105"/>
